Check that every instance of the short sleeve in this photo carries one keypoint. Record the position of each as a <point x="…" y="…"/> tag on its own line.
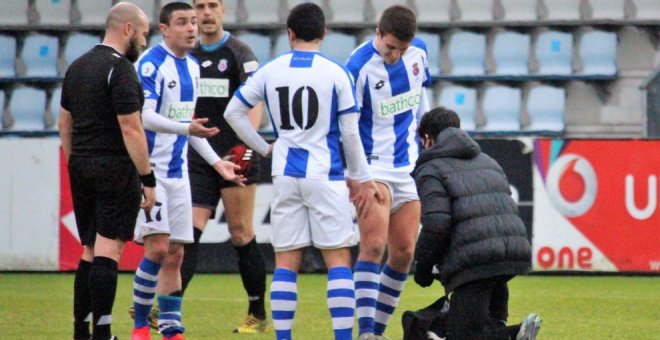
<point x="148" y="73"/>
<point x="126" y="92"/>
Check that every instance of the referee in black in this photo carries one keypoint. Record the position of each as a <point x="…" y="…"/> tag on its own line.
<point x="106" y="148"/>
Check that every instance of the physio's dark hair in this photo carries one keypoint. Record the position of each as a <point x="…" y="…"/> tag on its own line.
<point x="399" y="21"/>
<point x="436" y="120"/>
<point x="167" y="10"/>
<point x="307" y="21"/>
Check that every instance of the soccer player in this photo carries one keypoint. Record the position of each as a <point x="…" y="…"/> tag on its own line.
<point x="312" y="104"/>
<point x="390" y="74"/>
<point x="169" y="77"/>
<point x="226" y="62"/>
<point x="106" y="150"/>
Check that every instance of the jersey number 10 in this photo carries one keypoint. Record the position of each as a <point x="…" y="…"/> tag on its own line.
<point x="297" y="107"/>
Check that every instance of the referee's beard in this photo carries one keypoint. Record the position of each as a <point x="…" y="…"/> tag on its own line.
<point x="134" y="49"/>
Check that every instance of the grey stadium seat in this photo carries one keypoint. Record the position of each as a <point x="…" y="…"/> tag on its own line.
<point x="347" y="11"/>
<point x="606" y="10"/>
<point x="517" y="11"/>
<point x="475" y="10"/>
<point x="647" y="9"/>
<point x="559" y="10"/>
<point x="94" y="12"/>
<point x="53" y="12"/>
<point x="431" y="12"/>
<point x="14" y="13"/>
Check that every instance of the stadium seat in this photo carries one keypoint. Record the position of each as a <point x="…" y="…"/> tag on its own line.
<point x="2" y="102"/>
<point x="559" y="10"/>
<point x="432" y="41"/>
<point x="54" y="106"/>
<point x="14" y="13"/>
<point x="281" y="44"/>
<point x="231" y="12"/>
<point x="77" y="45"/>
<point x="262" y="12"/>
<point x="635" y="51"/>
<point x="347" y="11"/>
<point x="501" y="107"/>
<point x="147" y="6"/>
<point x="463" y="100"/>
<point x="467" y="53"/>
<point x="338" y="46"/>
<point x="260" y="45"/>
<point x="607" y="10"/>
<point x="545" y="106"/>
<point x="431" y="97"/>
<point x="155" y="39"/>
<point x="94" y="12"/>
<point x="39" y="55"/>
<point x="598" y="53"/>
<point x="517" y="11"/>
<point x="554" y="53"/>
<point x="53" y="12"/>
<point x="8" y="56"/>
<point x="431" y="12"/>
<point x="475" y="10"/>
<point x="647" y="9"/>
<point x="27" y="107"/>
<point x="511" y="53"/>
<point x="381" y="5"/>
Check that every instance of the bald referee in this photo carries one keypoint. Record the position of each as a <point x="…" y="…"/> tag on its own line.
<point x="106" y="148"/>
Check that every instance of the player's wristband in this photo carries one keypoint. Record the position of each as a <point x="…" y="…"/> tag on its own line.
<point x="148" y="180"/>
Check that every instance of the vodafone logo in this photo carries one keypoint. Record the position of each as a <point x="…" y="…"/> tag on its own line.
<point x="572" y="185"/>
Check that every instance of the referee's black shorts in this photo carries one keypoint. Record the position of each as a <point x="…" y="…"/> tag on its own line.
<point x="106" y="194"/>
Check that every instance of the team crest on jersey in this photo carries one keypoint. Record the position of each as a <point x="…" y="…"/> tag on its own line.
<point x="206" y="63"/>
<point x="222" y="65"/>
<point x="416" y="68"/>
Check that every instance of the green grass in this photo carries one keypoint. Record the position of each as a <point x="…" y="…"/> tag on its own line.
<point x="39" y="306"/>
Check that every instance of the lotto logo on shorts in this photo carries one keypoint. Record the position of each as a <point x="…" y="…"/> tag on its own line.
<point x="181" y="112"/>
<point x="217" y="88"/>
<point x="399" y="104"/>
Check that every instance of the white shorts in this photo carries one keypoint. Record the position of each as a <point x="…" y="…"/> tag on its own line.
<point x="172" y="213"/>
<point x="306" y="212"/>
<point x="401" y="186"/>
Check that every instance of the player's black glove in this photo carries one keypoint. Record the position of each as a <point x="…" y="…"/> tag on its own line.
<point x="241" y="156"/>
<point x="423" y="274"/>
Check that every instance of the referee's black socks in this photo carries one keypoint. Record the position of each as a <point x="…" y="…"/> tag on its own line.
<point x="103" y="288"/>
<point x="189" y="264"/>
<point x="253" y="274"/>
<point x="82" y="301"/>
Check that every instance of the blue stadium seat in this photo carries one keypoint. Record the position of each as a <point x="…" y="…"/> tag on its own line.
<point x="647" y="9"/>
<point x="147" y="6"/>
<point x="475" y="10"/>
<point x="467" y="53"/>
<point x="53" y="12"/>
<point x="431" y="12"/>
<point x="8" y="56"/>
<point x="27" y="106"/>
<point x="347" y="11"/>
<point x="545" y="106"/>
<point x="518" y="11"/>
<point x="463" y="100"/>
<point x="78" y="44"/>
<point x="501" y="107"/>
<point x="560" y="10"/>
<point x="281" y="44"/>
<point x="608" y="9"/>
<point x="260" y="45"/>
<point x="39" y="55"/>
<point x="511" y="53"/>
<point x="432" y="41"/>
<point x="598" y="53"/>
<point x="94" y="12"/>
<point x="554" y="53"/>
<point x="262" y="12"/>
<point x="338" y="46"/>
<point x="54" y="106"/>
<point x="14" y="13"/>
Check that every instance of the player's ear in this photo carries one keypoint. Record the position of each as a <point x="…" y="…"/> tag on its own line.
<point x="292" y="35"/>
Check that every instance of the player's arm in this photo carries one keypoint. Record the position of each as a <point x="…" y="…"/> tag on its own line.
<point x="65" y="125"/>
<point x="236" y="114"/>
<point x="226" y="169"/>
<point x="157" y="123"/>
<point x="255" y="115"/>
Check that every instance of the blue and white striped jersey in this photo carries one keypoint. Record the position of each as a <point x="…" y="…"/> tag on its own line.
<point x="392" y="100"/>
<point x="304" y="93"/>
<point x="170" y="89"/>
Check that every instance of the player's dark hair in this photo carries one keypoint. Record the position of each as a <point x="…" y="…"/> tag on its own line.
<point x="167" y="10"/>
<point x="436" y="120"/>
<point x="399" y="21"/>
<point x="307" y="21"/>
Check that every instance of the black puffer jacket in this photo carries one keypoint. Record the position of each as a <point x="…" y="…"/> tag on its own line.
<point x="471" y="228"/>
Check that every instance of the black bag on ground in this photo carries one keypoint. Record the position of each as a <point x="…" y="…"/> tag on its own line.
<point x="427" y="323"/>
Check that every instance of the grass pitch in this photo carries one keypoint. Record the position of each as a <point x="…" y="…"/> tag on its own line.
<point x="39" y="306"/>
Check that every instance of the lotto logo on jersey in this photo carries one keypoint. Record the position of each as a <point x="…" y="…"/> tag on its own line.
<point x="399" y="104"/>
<point x="181" y="111"/>
<point x="217" y="88"/>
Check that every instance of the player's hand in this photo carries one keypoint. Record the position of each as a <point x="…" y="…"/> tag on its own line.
<point x="241" y="156"/>
<point x="364" y="195"/>
<point x="423" y="275"/>
<point x="228" y="171"/>
<point x="149" y="199"/>
<point x="197" y="128"/>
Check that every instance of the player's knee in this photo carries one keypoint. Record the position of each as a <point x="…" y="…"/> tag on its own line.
<point x="403" y="254"/>
<point x="240" y="234"/>
<point x="372" y="248"/>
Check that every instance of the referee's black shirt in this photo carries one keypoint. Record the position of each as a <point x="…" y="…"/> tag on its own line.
<point x="98" y="86"/>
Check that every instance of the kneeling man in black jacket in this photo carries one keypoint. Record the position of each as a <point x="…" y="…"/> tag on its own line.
<point x="471" y="231"/>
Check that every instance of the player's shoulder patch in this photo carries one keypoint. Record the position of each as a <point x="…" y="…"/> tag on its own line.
<point x="250" y="66"/>
<point x="147" y="69"/>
